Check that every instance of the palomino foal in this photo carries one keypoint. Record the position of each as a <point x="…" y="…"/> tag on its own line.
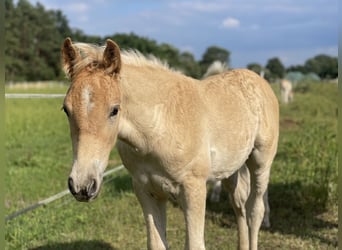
<point x="172" y="133"/>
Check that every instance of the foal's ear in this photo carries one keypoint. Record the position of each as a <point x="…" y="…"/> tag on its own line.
<point x="112" y="58"/>
<point x="69" y="56"/>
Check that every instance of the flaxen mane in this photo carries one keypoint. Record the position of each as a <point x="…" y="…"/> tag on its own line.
<point x="92" y="56"/>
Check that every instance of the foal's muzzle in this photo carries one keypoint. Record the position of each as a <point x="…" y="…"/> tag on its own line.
<point x="85" y="193"/>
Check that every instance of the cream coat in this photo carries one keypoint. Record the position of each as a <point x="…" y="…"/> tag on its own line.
<point x="172" y="135"/>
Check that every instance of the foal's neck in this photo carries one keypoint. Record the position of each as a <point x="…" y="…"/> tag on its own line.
<point x="140" y="92"/>
<point x="148" y="95"/>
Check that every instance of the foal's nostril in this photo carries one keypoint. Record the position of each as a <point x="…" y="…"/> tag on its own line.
<point x="92" y="188"/>
<point x="86" y="192"/>
<point x="71" y="186"/>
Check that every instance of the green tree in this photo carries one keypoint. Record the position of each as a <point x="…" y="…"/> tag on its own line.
<point x="276" y="69"/>
<point x="189" y="65"/>
<point x="170" y="54"/>
<point x="13" y="64"/>
<point x="326" y="67"/>
<point x="78" y="35"/>
<point x="184" y="62"/>
<point x="34" y="36"/>
<point x="212" y="54"/>
<point x="33" y="39"/>
<point x="257" y="68"/>
<point x="133" y="41"/>
<point x="297" y="68"/>
<point x="61" y="23"/>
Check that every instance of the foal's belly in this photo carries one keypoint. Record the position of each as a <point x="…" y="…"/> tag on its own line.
<point x="158" y="185"/>
<point x="225" y="162"/>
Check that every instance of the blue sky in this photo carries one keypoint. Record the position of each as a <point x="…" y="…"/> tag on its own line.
<point x="252" y="30"/>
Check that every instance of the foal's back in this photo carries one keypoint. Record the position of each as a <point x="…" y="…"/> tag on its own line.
<point x="240" y="86"/>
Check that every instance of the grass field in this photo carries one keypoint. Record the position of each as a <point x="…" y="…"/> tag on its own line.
<point x="303" y="185"/>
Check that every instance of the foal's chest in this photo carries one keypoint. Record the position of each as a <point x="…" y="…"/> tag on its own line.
<point x="148" y="173"/>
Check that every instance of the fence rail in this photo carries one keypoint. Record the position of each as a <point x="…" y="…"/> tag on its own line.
<point x="53" y="198"/>
<point x="60" y="194"/>
<point x="40" y="96"/>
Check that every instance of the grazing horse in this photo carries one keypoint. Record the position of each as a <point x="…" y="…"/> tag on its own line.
<point x="286" y="91"/>
<point x="172" y="134"/>
<point x="217" y="67"/>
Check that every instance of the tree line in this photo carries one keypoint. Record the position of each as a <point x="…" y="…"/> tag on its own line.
<point x="33" y="36"/>
<point x="319" y="67"/>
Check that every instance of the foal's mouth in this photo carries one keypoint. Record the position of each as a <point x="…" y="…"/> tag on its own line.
<point x="85" y="198"/>
<point x="87" y="193"/>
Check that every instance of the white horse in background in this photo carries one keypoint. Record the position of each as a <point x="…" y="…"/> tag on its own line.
<point x="286" y="91"/>
<point x="217" y="67"/>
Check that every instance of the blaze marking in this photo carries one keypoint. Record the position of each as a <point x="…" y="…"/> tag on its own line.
<point x="86" y="96"/>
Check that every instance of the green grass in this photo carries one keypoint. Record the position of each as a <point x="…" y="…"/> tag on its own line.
<point x="302" y="190"/>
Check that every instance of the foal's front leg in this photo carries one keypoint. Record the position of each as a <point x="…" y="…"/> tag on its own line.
<point x="193" y="197"/>
<point x="155" y="218"/>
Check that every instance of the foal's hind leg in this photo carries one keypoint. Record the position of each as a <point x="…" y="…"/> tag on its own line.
<point x="216" y="191"/>
<point x="266" y="221"/>
<point x="237" y="186"/>
<point x="259" y="164"/>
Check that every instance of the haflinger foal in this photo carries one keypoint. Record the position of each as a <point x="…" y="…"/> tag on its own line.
<point x="172" y="134"/>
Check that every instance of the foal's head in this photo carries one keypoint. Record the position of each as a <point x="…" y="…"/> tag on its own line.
<point x="92" y="105"/>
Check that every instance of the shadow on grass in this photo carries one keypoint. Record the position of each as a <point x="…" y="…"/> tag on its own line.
<point x="295" y="210"/>
<point x="77" y="245"/>
<point x="119" y="184"/>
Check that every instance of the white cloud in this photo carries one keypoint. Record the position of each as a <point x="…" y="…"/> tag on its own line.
<point x="79" y="10"/>
<point x="230" y="23"/>
<point x="77" y="7"/>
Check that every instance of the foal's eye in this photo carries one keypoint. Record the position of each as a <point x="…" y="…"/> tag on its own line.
<point x="115" y="111"/>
